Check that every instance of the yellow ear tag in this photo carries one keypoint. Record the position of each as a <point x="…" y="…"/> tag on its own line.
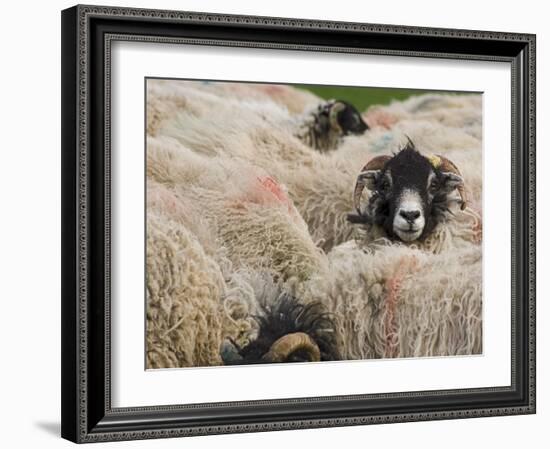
<point x="434" y="160"/>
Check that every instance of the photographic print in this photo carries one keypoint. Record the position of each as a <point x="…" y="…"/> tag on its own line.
<point x="309" y="223"/>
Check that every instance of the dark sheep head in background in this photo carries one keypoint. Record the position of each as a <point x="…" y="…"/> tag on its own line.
<point x="344" y="117"/>
<point x="288" y="332"/>
<point x="330" y="122"/>
<point x="410" y="193"/>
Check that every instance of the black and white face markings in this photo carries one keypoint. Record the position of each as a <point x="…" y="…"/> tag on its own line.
<point x="329" y="123"/>
<point x="409" y="194"/>
<point x="348" y="119"/>
<point x="408" y="199"/>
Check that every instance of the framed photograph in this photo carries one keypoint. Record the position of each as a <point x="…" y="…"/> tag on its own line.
<point x="283" y="223"/>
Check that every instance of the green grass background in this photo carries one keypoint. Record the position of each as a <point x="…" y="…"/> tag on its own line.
<point x="363" y="97"/>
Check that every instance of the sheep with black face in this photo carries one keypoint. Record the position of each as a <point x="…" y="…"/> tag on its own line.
<point x="324" y="127"/>
<point x="289" y="331"/>
<point x="411" y="193"/>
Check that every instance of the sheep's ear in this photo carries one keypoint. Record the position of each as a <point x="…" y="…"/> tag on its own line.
<point x="451" y="181"/>
<point x="371" y="171"/>
<point x="369" y="178"/>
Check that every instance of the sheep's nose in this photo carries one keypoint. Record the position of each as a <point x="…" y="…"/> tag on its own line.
<point x="410" y="215"/>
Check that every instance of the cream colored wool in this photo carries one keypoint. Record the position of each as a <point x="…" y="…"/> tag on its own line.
<point x="456" y="111"/>
<point x="397" y="301"/>
<point x="320" y="185"/>
<point x="263" y="236"/>
<point x="294" y="100"/>
<point x="184" y="286"/>
<point x="195" y="297"/>
<point x="228" y="181"/>
<point x="166" y="97"/>
<point x="256" y="227"/>
<point x="304" y="171"/>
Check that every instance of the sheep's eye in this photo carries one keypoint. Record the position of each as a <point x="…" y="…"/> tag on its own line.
<point x="434" y="185"/>
<point x="384" y="185"/>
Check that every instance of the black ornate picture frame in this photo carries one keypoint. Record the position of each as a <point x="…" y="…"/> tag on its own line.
<point x="87" y="34"/>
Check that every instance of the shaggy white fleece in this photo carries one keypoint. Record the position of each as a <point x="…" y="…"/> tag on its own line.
<point x="234" y="197"/>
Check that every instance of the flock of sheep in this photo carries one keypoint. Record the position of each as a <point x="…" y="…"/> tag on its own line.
<point x="273" y="236"/>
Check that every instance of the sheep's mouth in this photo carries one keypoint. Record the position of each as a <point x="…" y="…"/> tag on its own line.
<point x="408" y="234"/>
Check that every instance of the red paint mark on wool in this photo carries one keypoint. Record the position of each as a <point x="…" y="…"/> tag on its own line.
<point x="380" y="119"/>
<point x="167" y="198"/>
<point x="273" y="89"/>
<point x="393" y="285"/>
<point x="270" y="185"/>
<point x="393" y="288"/>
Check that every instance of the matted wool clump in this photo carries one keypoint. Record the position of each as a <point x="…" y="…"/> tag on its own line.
<point x="184" y="290"/>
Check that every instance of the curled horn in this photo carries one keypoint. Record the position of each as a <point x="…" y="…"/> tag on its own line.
<point x="286" y="345"/>
<point x="446" y="165"/>
<point x="376" y="163"/>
